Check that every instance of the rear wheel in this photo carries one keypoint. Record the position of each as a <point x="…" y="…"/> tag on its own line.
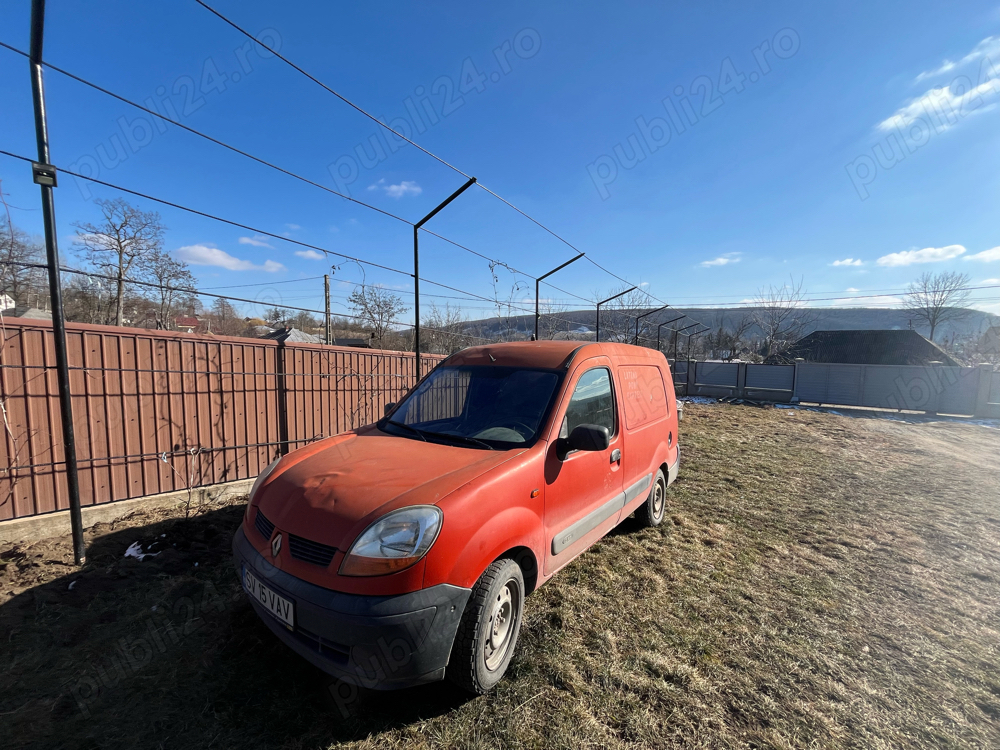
<point x="651" y="512"/>
<point x="489" y="628"/>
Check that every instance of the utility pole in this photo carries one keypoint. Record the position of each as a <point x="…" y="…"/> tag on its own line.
<point x="326" y="293"/>
<point x="545" y="276"/>
<point x="45" y="177"/>
<point x="416" y="267"/>
<point x="597" y="332"/>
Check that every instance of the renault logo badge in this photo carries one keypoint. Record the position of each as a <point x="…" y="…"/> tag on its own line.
<point x="276" y="545"/>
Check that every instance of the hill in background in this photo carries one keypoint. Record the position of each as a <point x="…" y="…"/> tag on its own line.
<point x="973" y="325"/>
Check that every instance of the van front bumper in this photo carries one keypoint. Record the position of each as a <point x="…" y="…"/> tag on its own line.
<point x="379" y="642"/>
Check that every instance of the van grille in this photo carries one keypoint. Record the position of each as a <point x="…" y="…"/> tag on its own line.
<point x="264" y="527"/>
<point x="309" y="551"/>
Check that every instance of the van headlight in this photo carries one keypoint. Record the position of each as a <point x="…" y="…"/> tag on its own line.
<point x="394" y="542"/>
<point x="260" y="479"/>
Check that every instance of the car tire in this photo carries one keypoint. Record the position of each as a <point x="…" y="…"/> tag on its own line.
<point x="651" y="512"/>
<point x="487" y="633"/>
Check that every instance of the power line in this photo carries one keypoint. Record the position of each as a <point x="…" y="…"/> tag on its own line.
<point x="259" y="160"/>
<point x="196" y="292"/>
<point x="247" y="227"/>
<point x="413" y="143"/>
<point x="264" y="283"/>
<point x="324" y="86"/>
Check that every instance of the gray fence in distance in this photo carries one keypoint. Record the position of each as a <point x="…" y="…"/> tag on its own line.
<point x="966" y="391"/>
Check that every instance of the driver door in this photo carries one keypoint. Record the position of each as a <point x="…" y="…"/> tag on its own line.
<point x="583" y="490"/>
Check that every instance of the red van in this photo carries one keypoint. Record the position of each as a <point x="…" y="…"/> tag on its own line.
<point x="402" y="552"/>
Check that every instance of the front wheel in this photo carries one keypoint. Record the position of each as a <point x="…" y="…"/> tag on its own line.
<point x="489" y="628"/>
<point x="651" y="512"/>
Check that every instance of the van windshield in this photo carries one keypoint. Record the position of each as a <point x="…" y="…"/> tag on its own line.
<point x="477" y="406"/>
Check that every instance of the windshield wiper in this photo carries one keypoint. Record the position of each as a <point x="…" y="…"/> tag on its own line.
<point x="460" y="438"/>
<point x="414" y="430"/>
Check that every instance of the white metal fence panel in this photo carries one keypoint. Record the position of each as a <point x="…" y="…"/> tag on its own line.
<point x="723" y="374"/>
<point x="771" y="377"/>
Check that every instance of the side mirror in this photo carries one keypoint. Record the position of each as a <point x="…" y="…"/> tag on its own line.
<point x="585" y="437"/>
<point x="389" y="407"/>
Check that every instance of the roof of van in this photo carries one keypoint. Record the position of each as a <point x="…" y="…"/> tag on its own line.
<point x="546" y="354"/>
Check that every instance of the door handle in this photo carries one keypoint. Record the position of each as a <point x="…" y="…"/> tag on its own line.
<point x="616" y="455"/>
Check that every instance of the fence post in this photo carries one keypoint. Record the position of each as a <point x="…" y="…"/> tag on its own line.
<point x="279" y="365"/>
<point x="741" y="379"/>
<point x="983" y="392"/>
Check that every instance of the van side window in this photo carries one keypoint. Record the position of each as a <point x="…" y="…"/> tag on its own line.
<point x="593" y="402"/>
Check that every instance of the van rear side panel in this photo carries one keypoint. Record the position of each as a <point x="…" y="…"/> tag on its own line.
<point x="650" y="424"/>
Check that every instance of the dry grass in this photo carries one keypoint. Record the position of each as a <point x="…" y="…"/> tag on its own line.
<point x="821" y="581"/>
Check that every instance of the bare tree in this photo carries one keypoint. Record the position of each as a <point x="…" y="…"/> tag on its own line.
<point x="442" y="329"/>
<point x="377" y="308"/>
<point x="118" y="244"/>
<point x="782" y="317"/>
<point x="728" y="340"/>
<point x="225" y="319"/>
<point x="172" y="278"/>
<point x="16" y="249"/>
<point x="937" y="298"/>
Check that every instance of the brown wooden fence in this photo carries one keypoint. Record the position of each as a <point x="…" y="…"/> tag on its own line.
<point x="158" y="411"/>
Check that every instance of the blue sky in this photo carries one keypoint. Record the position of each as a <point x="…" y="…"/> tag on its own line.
<point x="854" y="145"/>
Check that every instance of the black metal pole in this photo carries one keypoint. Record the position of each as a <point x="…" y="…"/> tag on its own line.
<point x="645" y="314"/>
<point x="326" y="315"/>
<point x="45" y="177"/>
<point x="416" y="266"/>
<point x="597" y="327"/>
<point x="545" y="276"/>
<point x="678" y="331"/>
<point x="659" y="328"/>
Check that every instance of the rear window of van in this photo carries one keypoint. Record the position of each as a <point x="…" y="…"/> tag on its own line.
<point x="644" y="395"/>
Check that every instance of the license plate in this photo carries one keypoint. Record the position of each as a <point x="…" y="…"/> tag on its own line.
<point x="282" y="608"/>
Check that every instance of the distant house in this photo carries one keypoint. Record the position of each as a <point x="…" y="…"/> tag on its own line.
<point x="990" y="342"/>
<point x="868" y="348"/>
<point x="31" y="313"/>
<point x="187" y="323"/>
<point x="7" y="302"/>
<point x="292" y="335"/>
<point x="356" y="343"/>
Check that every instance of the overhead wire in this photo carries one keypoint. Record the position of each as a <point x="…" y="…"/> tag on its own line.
<point x="395" y="132"/>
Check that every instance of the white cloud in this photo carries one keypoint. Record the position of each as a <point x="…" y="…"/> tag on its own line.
<point x="986" y="256"/>
<point x="848" y="262"/>
<point x="406" y="187"/>
<point x="293" y="227"/>
<point x="209" y="255"/>
<point x="722" y="260"/>
<point x="257" y="241"/>
<point x="989" y="46"/>
<point x="927" y="255"/>
<point x="943" y="107"/>
<point x="309" y="254"/>
<point x="990" y="281"/>
<point x="852" y="289"/>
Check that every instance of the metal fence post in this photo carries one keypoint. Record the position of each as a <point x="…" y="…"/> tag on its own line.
<point x="45" y="177"/>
